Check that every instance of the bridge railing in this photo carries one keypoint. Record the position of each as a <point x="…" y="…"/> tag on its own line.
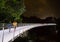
<point x="6" y="25"/>
<point x="18" y="25"/>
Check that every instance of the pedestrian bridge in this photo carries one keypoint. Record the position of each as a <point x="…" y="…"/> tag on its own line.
<point x="6" y="36"/>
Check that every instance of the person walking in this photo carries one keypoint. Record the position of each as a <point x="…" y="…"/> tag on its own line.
<point x="14" y="25"/>
<point x="9" y="26"/>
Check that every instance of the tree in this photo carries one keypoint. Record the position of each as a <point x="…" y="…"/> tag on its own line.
<point x="11" y="8"/>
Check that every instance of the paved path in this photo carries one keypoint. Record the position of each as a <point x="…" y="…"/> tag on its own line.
<point x="19" y="30"/>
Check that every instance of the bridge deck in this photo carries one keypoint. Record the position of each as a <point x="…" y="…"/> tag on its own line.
<point x="19" y="30"/>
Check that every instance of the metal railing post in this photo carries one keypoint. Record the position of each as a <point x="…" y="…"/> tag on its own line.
<point x="3" y="33"/>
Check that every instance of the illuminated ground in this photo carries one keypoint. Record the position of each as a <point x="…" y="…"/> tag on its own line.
<point x="19" y="30"/>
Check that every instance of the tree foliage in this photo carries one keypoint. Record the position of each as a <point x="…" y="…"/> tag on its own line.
<point x="10" y="9"/>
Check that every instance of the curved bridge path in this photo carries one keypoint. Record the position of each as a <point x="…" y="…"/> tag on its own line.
<point x="19" y="30"/>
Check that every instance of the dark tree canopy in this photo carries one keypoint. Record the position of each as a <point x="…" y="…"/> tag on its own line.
<point x="11" y="8"/>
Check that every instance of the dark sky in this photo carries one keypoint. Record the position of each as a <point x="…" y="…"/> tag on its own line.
<point x="42" y="8"/>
